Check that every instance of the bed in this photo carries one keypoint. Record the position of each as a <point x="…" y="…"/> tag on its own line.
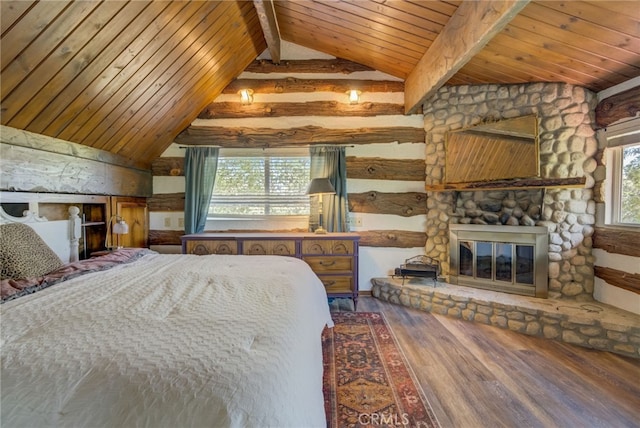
<point x="136" y="338"/>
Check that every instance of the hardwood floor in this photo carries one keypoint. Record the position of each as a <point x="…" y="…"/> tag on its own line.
<point x="476" y="375"/>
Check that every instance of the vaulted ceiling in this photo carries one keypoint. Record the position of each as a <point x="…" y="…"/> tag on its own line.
<point x="129" y="76"/>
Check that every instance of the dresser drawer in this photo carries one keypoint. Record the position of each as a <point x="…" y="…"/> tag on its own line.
<point x="337" y="284"/>
<point x="329" y="264"/>
<point x="326" y="246"/>
<point x="264" y="247"/>
<point x="212" y="247"/>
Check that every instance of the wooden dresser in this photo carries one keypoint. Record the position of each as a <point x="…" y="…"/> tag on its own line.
<point x="333" y="257"/>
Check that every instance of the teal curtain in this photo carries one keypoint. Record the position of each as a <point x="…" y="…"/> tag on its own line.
<point x="200" y="166"/>
<point x="330" y="162"/>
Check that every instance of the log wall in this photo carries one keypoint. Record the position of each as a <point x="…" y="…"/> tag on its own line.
<point x="385" y="151"/>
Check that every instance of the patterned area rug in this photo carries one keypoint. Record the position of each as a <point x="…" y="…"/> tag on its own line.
<point x="367" y="380"/>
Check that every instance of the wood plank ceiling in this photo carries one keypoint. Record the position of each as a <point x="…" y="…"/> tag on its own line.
<point x="128" y="77"/>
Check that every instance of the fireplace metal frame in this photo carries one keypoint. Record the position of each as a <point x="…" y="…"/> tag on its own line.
<point x="537" y="236"/>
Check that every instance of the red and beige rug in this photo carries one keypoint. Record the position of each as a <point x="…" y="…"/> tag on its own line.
<point x="367" y="380"/>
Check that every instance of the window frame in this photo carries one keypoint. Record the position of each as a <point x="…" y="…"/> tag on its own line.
<point x="618" y="138"/>
<point x="265" y="153"/>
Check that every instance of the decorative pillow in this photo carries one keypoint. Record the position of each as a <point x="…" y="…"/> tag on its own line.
<point x="24" y="254"/>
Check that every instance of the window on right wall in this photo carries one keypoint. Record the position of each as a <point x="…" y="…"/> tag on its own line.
<point x="623" y="201"/>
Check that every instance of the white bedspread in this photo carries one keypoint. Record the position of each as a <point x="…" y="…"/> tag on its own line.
<point x="169" y="340"/>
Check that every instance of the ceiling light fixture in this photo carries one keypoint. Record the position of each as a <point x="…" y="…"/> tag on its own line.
<point x="246" y="96"/>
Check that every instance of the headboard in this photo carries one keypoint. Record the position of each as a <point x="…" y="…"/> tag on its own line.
<point x="62" y="236"/>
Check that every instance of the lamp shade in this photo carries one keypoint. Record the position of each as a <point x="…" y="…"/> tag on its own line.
<point x="319" y="186"/>
<point x="121" y="228"/>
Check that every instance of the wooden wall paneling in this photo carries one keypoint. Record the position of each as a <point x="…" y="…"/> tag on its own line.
<point x="183" y="109"/>
<point x="617" y="241"/>
<point x="592" y="13"/>
<point x="295" y="85"/>
<point x="476" y="72"/>
<point x="10" y="13"/>
<point x="544" y="64"/>
<point x="376" y="60"/>
<point x="536" y="21"/>
<point x="233" y="110"/>
<point x="618" y="7"/>
<point x="424" y="18"/>
<point x="17" y="38"/>
<point x="365" y="25"/>
<point x="175" y="70"/>
<point x="349" y="33"/>
<point x="269" y="137"/>
<point x="162" y="86"/>
<point x="337" y="65"/>
<point x="179" y="109"/>
<point x="618" y="278"/>
<point x="84" y="38"/>
<point x="556" y="16"/>
<point x="103" y="69"/>
<point x="166" y="202"/>
<point x="386" y="169"/>
<point x="528" y="31"/>
<point x="572" y="54"/>
<point x="403" y="204"/>
<point x="130" y="101"/>
<point x="83" y="69"/>
<point x="97" y="114"/>
<point x="392" y="238"/>
<point x="31" y="59"/>
<point x="165" y="139"/>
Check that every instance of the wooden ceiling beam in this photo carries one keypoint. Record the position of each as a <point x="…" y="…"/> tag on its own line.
<point x="468" y="31"/>
<point x="269" y="24"/>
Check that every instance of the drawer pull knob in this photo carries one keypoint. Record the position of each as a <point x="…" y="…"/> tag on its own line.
<point x="331" y="263"/>
<point x="328" y="283"/>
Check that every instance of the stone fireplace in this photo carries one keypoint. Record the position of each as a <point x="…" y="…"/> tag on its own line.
<point x="512" y="259"/>
<point x="567" y="148"/>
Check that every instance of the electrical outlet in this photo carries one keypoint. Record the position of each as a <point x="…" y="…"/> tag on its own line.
<point x="167" y="222"/>
<point x="181" y="222"/>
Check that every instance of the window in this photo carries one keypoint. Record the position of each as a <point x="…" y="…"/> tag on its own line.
<point x="624" y="162"/>
<point x="629" y="208"/>
<point x="261" y="183"/>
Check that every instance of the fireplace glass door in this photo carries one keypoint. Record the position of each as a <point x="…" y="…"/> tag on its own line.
<point x="511" y="259"/>
<point x="497" y="261"/>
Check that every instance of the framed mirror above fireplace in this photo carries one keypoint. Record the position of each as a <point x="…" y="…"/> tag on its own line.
<point x="500" y="150"/>
<point x="511" y="259"/>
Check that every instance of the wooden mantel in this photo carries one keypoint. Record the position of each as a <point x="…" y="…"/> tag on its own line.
<point x="515" y="184"/>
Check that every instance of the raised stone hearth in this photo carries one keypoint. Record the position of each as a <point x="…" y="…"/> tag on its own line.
<point x="586" y="323"/>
